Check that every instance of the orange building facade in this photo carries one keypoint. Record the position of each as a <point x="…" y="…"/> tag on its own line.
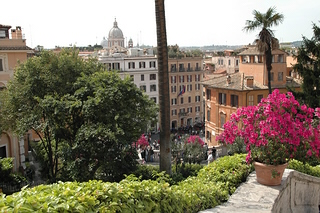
<point x="12" y="49"/>
<point x="224" y="95"/>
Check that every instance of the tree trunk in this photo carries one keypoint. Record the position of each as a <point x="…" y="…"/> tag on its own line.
<point x="163" y="81"/>
<point x="269" y="66"/>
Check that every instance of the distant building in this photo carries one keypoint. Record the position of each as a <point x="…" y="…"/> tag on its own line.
<point x="139" y="64"/>
<point x="12" y="49"/>
<point x="186" y="91"/>
<point x="226" y="93"/>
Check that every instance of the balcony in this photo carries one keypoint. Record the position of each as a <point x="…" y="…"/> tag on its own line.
<point x="181" y="114"/>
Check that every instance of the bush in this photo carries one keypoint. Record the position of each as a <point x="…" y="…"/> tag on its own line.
<point x="304" y="168"/>
<point x="207" y="190"/>
<point x="10" y="182"/>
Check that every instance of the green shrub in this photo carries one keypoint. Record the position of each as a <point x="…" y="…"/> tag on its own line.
<point x="207" y="190"/>
<point x="304" y="168"/>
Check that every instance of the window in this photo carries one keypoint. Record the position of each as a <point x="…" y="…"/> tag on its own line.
<point x="237" y="62"/>
<point x="173" y="79"/>
<point x="131" y="65"/>
<point x="189" y="67"/>
<point x="115" y="66"/>
<point x="182" y="110"/>
<point x="222" y="120"/>
<point x="189" y="87"/>
<point x="259" y="98"/>
<point x="153" y="76"/>
<point x="181" y="79"/>
<point x="197" y="98"/>
<point x="142" y="77"/>
<point x="280" y="58"/>
<point x="153" y="88"/>
<point x="272" y="76"/>
<point x="197" y="67"/>
<point x="173" y="101"/>
<point x="222" y="98"/>
<point x="142" y="64"/>
<point x="209" y="94"/>
<point x="143" y="88"/>
<point x="208" y="115"/>
<point x="280" y="76"/>
<point x="189" y="99"/>
<point x="152" y="64"/>
<point x="132" y="77"/>
<point x="1" y="66"/>
<point x="197" y="108"/>
<point x="173" y="68"/>
<point x="189" y="109"/>
<point x="197" y="86"/>
<point x="208" y="135"/>
<point x="234" y="100"/>
<point x="189" y="78"/>
<point x="2" y="34"/>
<point x="181" y="67"/>
<point x="229" y="62"/>
<point x="250" y="100"/>
<point x="197" y="77"/>
<point x="3" y="152"/>
<point x="154" y="99"/>
<point x="174" y="112"/>
<point x="173" y="89"/>
<point x="181" y="100"/>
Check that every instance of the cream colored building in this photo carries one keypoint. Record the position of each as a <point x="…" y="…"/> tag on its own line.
<point x="186" y="109"/>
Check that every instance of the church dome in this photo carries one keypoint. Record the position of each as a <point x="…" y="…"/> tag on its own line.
<point x="104" y="43"/>
<point x="115" y="32"/>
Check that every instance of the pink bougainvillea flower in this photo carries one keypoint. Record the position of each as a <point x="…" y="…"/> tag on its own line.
<point x="277" y="126"/>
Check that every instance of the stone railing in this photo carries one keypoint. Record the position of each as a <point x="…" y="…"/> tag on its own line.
<point x="297" y="193"/>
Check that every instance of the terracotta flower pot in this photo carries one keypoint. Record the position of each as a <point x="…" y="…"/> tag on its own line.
<point x="268" y="174"/>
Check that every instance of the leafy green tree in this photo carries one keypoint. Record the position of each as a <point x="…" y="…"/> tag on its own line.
<point x="308" y="67"/>
<point x="266" y="40"/>
<point x="164" y="97"/>
<point x="79" y="111"/>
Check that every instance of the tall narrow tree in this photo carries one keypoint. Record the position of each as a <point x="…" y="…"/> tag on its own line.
<point x="308" y="67"/>
<point x="266" y="40"/>
<point x="164" y="97"/>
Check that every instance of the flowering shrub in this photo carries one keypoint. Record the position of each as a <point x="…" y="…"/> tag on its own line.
<point x="142" y="141"/>
<point x="276" y="130"/>
<point x="193" y="150"/>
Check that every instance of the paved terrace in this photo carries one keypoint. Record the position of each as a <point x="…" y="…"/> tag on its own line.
<point x="298" y="193"/>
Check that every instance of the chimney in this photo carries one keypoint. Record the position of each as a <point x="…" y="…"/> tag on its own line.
<point x="250" y="82"/>
<point x="228" y="79"/>
<point x="16" y="33"/>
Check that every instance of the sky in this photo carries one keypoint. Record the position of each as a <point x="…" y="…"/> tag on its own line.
<point x="188" y="23"/>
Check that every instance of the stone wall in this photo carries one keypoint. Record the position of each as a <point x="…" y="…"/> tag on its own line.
<point x="297" y="193"/>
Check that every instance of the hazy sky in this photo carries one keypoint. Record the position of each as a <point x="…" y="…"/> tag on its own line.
<point x="189" y="23"/>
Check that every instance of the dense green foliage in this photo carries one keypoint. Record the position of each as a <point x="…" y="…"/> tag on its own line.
<point x="305" y="168"/>
<point x="213" y="185"/>
<point x="86" y="117"/>
<point x="180" y="173"/>
<point x="10" y="181"/>
<point x="308" y="67"/>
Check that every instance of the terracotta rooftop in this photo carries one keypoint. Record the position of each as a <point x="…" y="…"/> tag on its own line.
<point x="238" y="82"/>
<point x="16" y="48"/>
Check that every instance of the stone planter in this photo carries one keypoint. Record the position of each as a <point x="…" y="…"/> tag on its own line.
<point x="269" y="175"/>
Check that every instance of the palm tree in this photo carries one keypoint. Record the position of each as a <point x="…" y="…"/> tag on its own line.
<point x="266" y="40"/>
<point x="163" y="80"/>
